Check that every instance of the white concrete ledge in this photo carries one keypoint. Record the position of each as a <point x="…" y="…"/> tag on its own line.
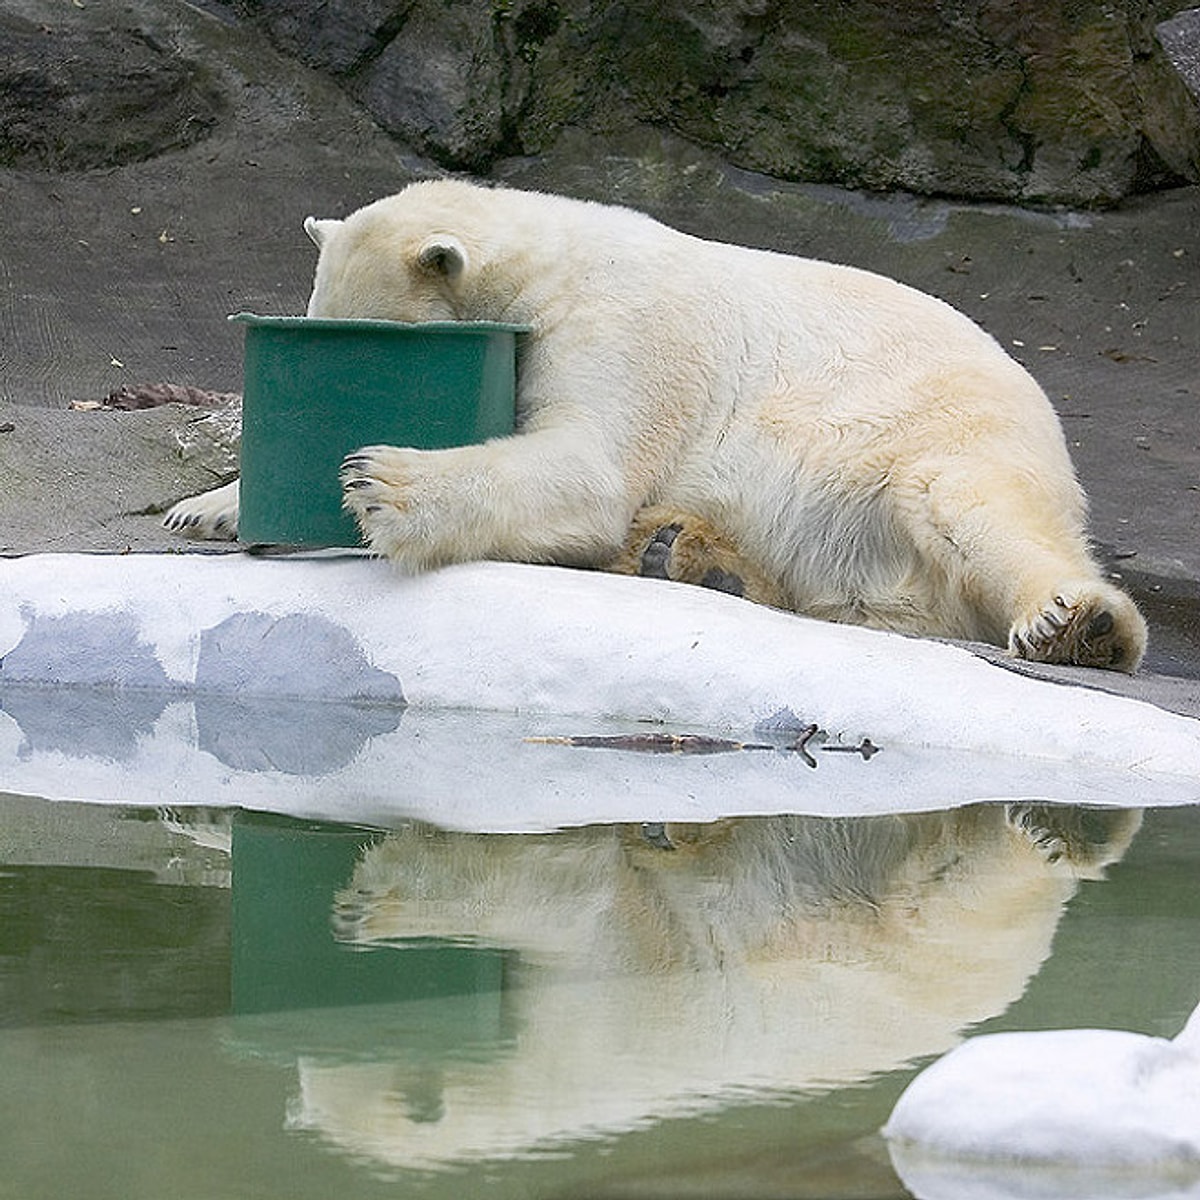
<point x="190" y="679"/>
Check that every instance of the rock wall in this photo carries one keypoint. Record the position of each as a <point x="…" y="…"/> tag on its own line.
<point x="1066" y="101"/>
<point x="1057" y="101"/>
<point x="72" y="99"/>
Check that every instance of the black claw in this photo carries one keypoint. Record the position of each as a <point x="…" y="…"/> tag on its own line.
<point x="723" y="581"/>
<point x="354" y="484"/>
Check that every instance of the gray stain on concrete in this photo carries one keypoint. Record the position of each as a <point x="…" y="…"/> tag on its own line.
<point x="96" y="649"/>
<point x="88" y="685"/>
<point x="299" y="655"/>
<point x="251" y="663"/>
<point x="84" y="684"/>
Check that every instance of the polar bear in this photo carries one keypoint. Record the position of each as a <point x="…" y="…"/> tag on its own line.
<point x="857" y="450"/>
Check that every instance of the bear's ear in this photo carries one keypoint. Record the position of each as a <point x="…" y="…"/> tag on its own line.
<point x="442" y="254"/>
<point x="319" y="231"/>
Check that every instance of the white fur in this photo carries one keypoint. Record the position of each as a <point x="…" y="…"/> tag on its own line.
<point x="212" y="514"/>
<point x="866" y="445"/>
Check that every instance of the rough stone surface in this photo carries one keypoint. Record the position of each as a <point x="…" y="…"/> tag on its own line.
<point x="1180" y="38"/>
<point x="440" y="84"/>
<point x="1078" y="102"/>
<point x="72" y="478"/>
<point x="72" y="99"/>
<point x="1010" y="99"/>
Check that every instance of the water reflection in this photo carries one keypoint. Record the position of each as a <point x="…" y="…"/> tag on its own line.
<point x="82" y="722"/>
<point x="375" y="761"/>
<point x="539" y="1004"/>
<point x="261" y="736"/>
<point x="657" y="971"/>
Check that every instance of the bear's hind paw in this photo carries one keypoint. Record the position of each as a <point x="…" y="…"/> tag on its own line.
<point x="665" y="544"/>
<point x="211" y="515"/>
<point x="1093" y="625"/>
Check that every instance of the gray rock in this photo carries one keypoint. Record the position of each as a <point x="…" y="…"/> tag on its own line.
<point x="341" y="36"/>
<point x="71" y="99"/>
<point x="439" y="84"/>
<point x="1180" y="38"/>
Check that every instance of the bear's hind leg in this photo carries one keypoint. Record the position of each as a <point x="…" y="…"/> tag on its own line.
<point x="1014" y="550"/>
<point x="212" y="515"/>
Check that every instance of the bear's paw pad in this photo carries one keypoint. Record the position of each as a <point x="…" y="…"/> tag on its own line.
<point x="656" y="558"/>
<point x="675" y="552"/>
<point x="1084" y="627"/>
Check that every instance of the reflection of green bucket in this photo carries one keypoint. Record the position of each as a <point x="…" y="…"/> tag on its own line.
<point x="317" y="389"/>
<point x="285" y="955"/>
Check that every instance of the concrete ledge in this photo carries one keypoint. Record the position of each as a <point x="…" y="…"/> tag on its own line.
<point x="328" y="684"/>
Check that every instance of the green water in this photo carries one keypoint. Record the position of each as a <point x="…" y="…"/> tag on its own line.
<point x="216" y="1005"/>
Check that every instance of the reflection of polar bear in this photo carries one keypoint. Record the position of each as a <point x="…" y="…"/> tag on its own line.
<point x="873" y="456"/>
<point x="673" y="969"/>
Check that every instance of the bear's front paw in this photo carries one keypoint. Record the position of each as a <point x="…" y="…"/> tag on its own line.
<point x="378" y="488"/>
<point x="1084" y="625"/>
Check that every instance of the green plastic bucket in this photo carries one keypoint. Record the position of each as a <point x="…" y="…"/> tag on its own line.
<point x="316" y="389"/>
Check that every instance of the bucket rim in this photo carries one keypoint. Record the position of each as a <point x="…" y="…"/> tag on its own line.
<point x="374" y="324"/>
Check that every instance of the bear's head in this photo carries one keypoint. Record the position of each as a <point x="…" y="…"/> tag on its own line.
<point x="425" y="254"/>
<point x="361" y="272"/>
